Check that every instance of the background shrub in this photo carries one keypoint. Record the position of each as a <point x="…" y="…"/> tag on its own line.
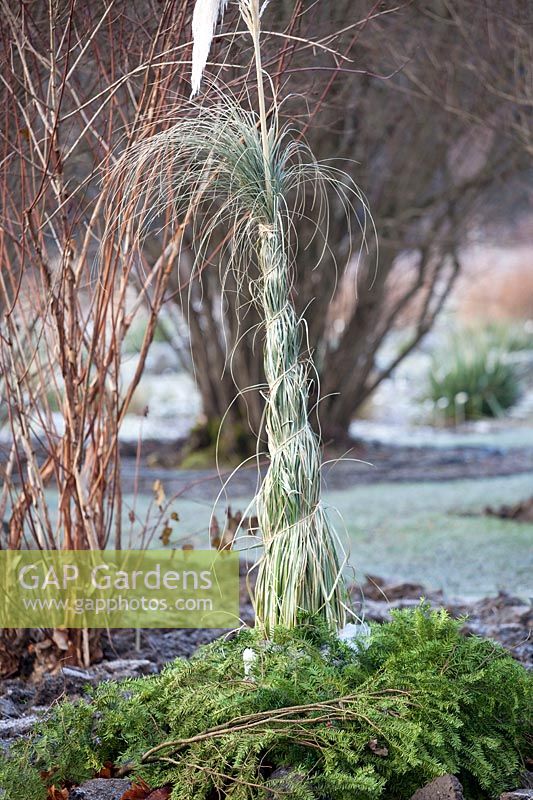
<point x="474" y="377"/>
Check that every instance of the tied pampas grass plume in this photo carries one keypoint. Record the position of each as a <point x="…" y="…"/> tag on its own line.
<point x="204" y="21"/>
<point x="255" y="189"/>
<point x="241" y="174"/>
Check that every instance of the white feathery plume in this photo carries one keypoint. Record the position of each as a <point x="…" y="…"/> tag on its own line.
<point x="204" y="22"/>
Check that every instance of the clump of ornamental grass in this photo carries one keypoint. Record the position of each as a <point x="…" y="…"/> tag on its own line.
<point x="474" y="377"/>
<point x="420" y="701"/>
<point x="229" y="169"/>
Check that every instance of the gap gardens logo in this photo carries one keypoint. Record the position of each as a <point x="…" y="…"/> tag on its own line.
<point x="119" y="589"/>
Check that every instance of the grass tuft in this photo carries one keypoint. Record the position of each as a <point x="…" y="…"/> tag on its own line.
<point x="474" y="378"/>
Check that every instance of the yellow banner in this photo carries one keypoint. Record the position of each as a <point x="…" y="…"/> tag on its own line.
<point x="119" y="589"/>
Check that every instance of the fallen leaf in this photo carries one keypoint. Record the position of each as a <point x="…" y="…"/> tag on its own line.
<point x="159" y="493"/>
<point x="138" y="791"/>
<point x="160" y="794"/>
<point x="233" y="523"/>
<point x="106" y="771"/>
<point x="165" y="535"/>
<point x="36" y="647"/>
<point x="378" y="749"/>
<point x="214" y="532"/>
<point x="252" y="523"/>
<point x="175" y="516"/>
<point x="60" y="638"/>
<point x="57" y="794"/>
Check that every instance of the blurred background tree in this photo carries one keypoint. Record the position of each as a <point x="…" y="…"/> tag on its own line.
<point x="427" y="105"/>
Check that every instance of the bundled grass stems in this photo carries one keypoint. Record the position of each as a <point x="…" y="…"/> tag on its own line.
<point x="254" y="179"/>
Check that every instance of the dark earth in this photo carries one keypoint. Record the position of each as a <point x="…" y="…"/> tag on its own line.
<point x="374" y="463"/>
<point x="519" y="512"/>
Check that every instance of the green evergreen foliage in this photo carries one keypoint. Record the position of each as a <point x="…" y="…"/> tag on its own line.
<point x="421" y="701"/>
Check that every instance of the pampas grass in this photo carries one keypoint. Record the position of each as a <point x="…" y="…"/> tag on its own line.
<point x="255" y="179"/>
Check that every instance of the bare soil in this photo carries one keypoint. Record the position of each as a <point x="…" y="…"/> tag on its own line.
<point x="358" y="464"/>
<point x="519" y="512"/>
